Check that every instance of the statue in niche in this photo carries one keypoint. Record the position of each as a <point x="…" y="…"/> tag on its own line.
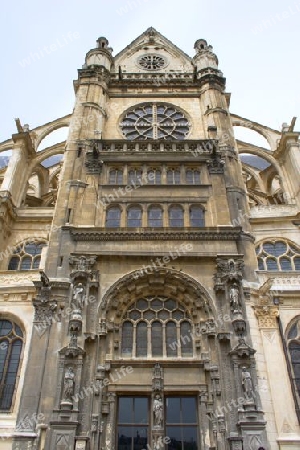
<point x="69" y="383"/>
<point x="234" y="295"/>
<point x="247" y="382"/>
<point x="158" y="410"/>
<point x="78" y="296"/>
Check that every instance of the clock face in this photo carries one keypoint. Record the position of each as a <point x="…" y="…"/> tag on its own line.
<point x="155" y="121"/>
<point x="151" y="62"/>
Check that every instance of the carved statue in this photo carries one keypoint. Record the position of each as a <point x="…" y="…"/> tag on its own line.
<point x="235" y="297"/>
<point x="73" y="341"/>
<point x="158" y="410"/>
<point x="44" y="279"/>
<point x="82" y="263"/>
<point x="247" y="382"/>
<point x="78" y="296"/>
<point x="69" y="384"/>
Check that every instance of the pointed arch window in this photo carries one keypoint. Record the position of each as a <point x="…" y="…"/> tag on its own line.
<point x="156" y="327"/>
<point x="277" y="256"/>
<point x="26" y="256"/>
<point x="11" y="344"/>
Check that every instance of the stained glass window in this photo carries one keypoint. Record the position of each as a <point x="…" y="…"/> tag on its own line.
<point x="11" y="343"/>
<point x="277" y="256"/>
<point x="155" y="121"/>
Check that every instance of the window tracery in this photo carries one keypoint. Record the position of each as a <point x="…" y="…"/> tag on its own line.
<point x="155" y="121"/>
<point x="27" y="256"/>
<point x="156" y="327"/>
<point x="152" y="61"/>
<point x="278" y="256"/>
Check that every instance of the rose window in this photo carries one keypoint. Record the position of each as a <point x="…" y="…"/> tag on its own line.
<point x="155" y="121"/>
<point x="151" y="62"/>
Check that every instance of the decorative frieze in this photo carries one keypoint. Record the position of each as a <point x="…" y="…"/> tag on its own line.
<point x="148" y="234"/>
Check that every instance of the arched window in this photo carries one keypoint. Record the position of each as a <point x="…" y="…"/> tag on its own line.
<point x="116" y="176"/>
<point x="135" y="176"/>
<point x="156" y="327"/>
<point x="134" y="216"/>
<point x="173" y="176"/>
<point x="113" y="217"/>
<point x="154" y="176"/>
<point x="26" y="256"/>
<point x="196" y="216"/>
<point x="192" y="176"/>
<point x="293" y="345"/>
<point x="176" y="216"/>
<point x="155" y="216"/>
<point x="11" y="343"/>
<point x="278" y="256"/>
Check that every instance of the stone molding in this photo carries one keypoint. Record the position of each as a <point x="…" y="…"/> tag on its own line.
<point x="149" y="234"/>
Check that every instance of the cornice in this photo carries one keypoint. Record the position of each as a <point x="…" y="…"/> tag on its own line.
<point x="149" y="234"/>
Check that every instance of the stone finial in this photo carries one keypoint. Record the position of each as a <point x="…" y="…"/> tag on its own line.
<point x="102" y="43"/>
<point x="201" y="44"/>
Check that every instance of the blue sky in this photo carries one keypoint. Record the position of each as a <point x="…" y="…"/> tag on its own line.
<point x="44" y="43"/>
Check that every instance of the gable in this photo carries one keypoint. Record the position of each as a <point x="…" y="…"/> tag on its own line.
<point x="151" y="52"/>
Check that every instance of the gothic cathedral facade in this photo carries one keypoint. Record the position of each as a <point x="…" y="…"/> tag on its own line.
<point x="149" y="279"/>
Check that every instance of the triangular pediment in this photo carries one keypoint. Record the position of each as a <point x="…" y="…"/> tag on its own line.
<point x="152" y="46"/>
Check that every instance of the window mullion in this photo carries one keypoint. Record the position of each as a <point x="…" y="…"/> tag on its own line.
<point x="178" y="338"/>
<point x="149" y="349"/>
<point x="164" y="346"/>
<point x="134" y="343"/>
<point x="154" y="121"/>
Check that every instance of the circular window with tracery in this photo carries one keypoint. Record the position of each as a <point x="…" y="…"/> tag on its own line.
<point x="155" y="121"/>
<point x="152" y="62"/>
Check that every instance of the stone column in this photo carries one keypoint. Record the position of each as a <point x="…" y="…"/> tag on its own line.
<point x="110" y="434"/>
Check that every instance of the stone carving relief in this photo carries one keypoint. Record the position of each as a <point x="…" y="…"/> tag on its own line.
<point x="82" y="263"/>
<point x="266" y="316"/>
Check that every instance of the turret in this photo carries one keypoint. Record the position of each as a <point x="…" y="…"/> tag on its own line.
<point x="100" y="56"/>
<point x="204" y="57"/>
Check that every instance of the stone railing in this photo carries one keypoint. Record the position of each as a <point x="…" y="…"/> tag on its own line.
<point x="196" y="147"/>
